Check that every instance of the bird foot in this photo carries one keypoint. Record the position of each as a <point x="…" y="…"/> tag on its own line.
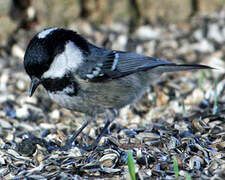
<point x="95" y="143"/>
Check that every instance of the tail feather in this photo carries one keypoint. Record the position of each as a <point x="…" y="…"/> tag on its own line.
<point x="180" y="67"/>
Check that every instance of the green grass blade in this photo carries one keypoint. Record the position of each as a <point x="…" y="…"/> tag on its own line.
<point x="184" y="109"/>
<point x="175" y="166"/>
<point x="188" y="177"/>
<point x="131" y="165"/>
<point x="201" y="80"/>
<point x="215" y="106"/>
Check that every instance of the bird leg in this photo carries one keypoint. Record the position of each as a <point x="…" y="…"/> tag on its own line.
<point x="95" y="143"/>
<point x="70" y="141"/>
<point x="110" y="116"/>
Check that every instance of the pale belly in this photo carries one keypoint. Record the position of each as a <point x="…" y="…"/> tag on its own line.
<point x="95" y="98"/>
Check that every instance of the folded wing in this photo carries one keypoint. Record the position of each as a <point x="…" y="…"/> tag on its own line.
<point x="116" y="64"/>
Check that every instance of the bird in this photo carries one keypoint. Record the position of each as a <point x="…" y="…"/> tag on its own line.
<point x="87" y="78"/>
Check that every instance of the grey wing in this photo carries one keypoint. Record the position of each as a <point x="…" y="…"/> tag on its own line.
<point x="125" y="63"/>
<point x="115" y="64"/>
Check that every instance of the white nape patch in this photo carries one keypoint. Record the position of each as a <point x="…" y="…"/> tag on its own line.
<point x="115" y="61"/>
<point x="46" y="32"/>
<point x="68" y="60"/>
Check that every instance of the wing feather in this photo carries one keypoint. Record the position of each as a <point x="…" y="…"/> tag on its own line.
<point x="116" y="64"/>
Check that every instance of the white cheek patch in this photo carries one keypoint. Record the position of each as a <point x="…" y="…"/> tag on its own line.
<point x="46" y="32"/>
<point x="68" y="60"/>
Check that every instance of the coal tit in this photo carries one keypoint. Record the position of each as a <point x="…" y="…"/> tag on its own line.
<point x="85" y="78"/>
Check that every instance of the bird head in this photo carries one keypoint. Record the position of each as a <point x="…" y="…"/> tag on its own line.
<point x="51" y="54"/>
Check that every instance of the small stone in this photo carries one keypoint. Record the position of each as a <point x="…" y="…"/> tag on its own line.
<point x="120" y="43"/>
<point x="47" y="126"/>
<point x="147" y="32"/>
<point x="28" y="111"/>
<point x="162" y="99"/>
<point x="196" y="97"/>
<point x="117" y="27"/>
<point x="27" y="100"/>
<point x="215" y="34"/>
<point x="5" y="124"/>
<point x="55" y="114"/>
<point x="198" y="34"/>
<point x="3" y="81"/>
<point x="18" y="51"/>
<point x="169" y="44"/>
<point x="22" y="113"/>
<point x="203" y="46"/>
<point x="21" y="85"/>
<point x="26" y="147"/>
<point x="9" y="137"/>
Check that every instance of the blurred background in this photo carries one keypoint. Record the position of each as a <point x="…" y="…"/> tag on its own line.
<point x="181" y="115"/>
<point x="112" y="23"/>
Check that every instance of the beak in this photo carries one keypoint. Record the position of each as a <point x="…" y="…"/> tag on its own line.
<point x="33" y="86"/>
